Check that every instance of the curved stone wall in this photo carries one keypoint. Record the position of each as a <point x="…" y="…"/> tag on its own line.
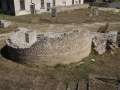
<point x="64" y="48"/>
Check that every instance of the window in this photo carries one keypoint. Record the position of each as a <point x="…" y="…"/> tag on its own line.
<point x="54" y="3"/>
<point x="48" y="6"/>
<point x="72" y="2"/>
<point x="42" y="3"/>
<point x="22" y="4"/>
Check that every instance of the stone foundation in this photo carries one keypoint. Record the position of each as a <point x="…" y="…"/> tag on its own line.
<point x="54" y="48"/>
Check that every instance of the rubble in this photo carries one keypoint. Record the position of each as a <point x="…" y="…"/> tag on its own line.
<point x="5" y="23"/>
<point x="93" y="60"/>
<point x="104" y="41"/>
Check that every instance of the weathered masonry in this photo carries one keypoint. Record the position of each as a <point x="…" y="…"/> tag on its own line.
<point x="49" y="48"/>
<point x="65" y="47"/>
<point x="22" y="7"/>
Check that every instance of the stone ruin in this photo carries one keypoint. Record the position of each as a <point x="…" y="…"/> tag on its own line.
<point x="103" y="42"/>
<point x="49" y="47"/>
<point x="64" y="47"/>
<point x="22" y="38"/>
<point x="5" y="23"/>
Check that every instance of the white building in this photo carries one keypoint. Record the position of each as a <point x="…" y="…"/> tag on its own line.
<point x="22" y="7"/>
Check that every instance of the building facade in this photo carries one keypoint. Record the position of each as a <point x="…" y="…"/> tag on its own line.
<point x="22" y="7"/>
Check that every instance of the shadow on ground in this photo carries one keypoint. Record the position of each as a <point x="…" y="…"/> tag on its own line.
<point x="4" y="53"/>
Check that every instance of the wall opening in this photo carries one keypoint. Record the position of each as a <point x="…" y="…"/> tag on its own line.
<point x="22" y="4"/>
<point x="27" y="37"/>
<point x="42" y="4"/>
<point x="72" y="2"/>
<point x="32" y="8"/>
<point x="54" y="3"/>
<point x="48" y="6"/>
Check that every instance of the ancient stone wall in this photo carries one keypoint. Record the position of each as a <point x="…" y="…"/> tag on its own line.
<point x="71" y="44"/>
<point x="22" y="38"/>
<point x="72" y="7"/>
<point x="103" y="42"/>
<point x="51" y="49"/>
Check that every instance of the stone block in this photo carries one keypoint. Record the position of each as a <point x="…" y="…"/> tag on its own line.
<point x="4" y="23"/>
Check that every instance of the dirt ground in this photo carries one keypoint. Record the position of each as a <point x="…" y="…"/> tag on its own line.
<point x="16" y="76"/>
<point x="77" y="16"/>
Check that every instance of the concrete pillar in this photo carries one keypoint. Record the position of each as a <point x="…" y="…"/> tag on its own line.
<point x="81" y="1"/>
